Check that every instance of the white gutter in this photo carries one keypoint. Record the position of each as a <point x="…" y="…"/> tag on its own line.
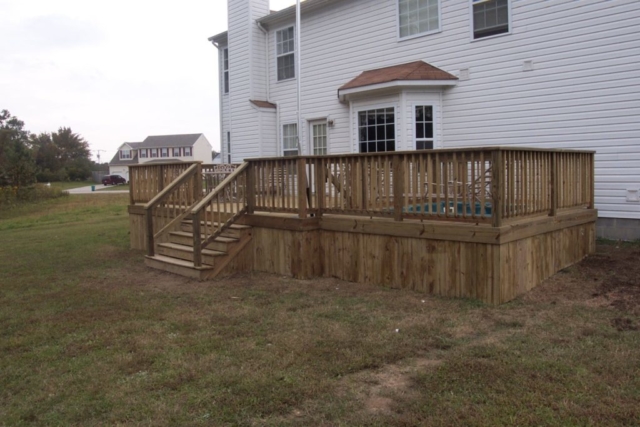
<point x="343" y="94"/>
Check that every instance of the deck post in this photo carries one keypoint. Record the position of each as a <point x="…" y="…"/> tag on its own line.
<point x="150" y="239"/>
<point x="131" y="195"/>
<point x="497" y="186"/>
<point x="320" y="185"/>
<point x="197" y="249"/>
<point x="398" y="186"/>
<point x="250" y="188"/>
<point x="197" y="188"/>
<point x="160" y="179"/>
<point x="591" y="177"/>
<point x="554" y="184"/>
<point x="302" y="187"/>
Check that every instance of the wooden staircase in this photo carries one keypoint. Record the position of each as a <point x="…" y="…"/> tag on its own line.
<point x="176" y="255"/>
<point x="195" y="235"/>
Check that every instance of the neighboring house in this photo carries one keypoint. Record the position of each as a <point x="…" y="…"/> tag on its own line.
<point x="385" y="75"/>
<point x="161" y="148"/>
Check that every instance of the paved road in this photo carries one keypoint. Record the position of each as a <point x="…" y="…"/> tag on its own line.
<point x="99" y="187"/>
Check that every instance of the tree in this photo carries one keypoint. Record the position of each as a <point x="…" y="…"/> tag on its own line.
<point x="71" y="145"/>
<point x="17" y="163"/>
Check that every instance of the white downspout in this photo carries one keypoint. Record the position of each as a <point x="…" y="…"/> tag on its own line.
<point x="299" y="71"/>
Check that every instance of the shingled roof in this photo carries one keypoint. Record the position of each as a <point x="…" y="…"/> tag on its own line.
<point x="263" y="104"/>
<point x="169" y="141"/>
<point x="418" y="70"/>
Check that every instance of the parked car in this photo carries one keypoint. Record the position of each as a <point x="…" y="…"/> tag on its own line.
<point x="113" y="180"/>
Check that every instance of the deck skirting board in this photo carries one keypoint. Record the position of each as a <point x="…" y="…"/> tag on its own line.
<point x="494" y="265"/>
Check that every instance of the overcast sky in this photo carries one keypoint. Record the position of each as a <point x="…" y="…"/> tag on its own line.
<point x="112" y="71"/>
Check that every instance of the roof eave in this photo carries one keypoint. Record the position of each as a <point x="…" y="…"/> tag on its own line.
<point x="219" y="38"/>
<point x="345" y="94"/>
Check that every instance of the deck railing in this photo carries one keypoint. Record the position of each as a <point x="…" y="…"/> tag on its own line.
<point x="477" y="185"/>
<point x="172" y="204"/>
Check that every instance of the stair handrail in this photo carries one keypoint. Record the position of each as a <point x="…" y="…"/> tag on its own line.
<point x="198" y="242"/>
<point x="161" y="196"/>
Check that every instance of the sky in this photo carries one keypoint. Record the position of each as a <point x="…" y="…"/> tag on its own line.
<point x="113" y="71"/>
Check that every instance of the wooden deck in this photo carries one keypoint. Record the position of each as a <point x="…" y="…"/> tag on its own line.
<point x="486" y="223"/>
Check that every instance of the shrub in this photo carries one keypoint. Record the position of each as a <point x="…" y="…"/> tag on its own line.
<point x="10" y="196"/>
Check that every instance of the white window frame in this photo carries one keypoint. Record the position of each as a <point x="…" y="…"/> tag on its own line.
<point x="143" y="154"/>
<point x="312" y="145"/>
<point x="295" y="137"/>
<point x="225" y="71"/>
<point x="413" y="36"/>
<point x="414" y="137"/>
<point x="188" y="152"/>
<point x="293" y="52"/>
<point x="164" y="152"/>
<point x="471" y="23"/>
<point x="174" y="150"/>
<point x="154" y="153"/>
<point x="127" y="156"/>
<point x="397" y="126"/>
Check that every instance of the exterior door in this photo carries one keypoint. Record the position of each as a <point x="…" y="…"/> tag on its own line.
<point x="318" y="143"/>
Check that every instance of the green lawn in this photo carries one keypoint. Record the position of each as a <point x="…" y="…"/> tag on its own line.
<point x="124" y="187"/>
<point x="89" y="336"/>
<point x="72" y="184"/>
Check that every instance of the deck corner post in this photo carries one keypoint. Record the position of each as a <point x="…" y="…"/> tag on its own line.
<point x="197" y="248"/>
<point x="497" y="184"/>
<point x="302" y="187"/>
<point x="250" y="186"/>
<point x="150" y="237"/>
<point x="592" y="181"/>
<point x="554" y="184"/>
<point x="398" y="186"/>
<point x="320" y="186"/>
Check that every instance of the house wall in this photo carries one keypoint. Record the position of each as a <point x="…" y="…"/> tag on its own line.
<point x="202" y="150"/>
<point x="584" y="90"/>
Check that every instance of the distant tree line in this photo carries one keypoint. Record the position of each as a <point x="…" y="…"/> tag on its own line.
<point x="28" y="158"/>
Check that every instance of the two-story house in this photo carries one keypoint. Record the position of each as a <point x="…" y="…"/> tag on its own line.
<point x="385" y="75"/>
<point x="161" y="148"/>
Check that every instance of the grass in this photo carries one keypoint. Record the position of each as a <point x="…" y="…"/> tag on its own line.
<point x="89" y="336"/>
<point x="124" y="187"/>
<point x="68" y="185"/>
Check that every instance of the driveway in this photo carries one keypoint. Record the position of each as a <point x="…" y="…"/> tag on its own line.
<point x="99" y="187"/>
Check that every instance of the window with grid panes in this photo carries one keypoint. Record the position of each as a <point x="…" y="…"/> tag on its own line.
<point x="285" y="46"/>
<point x="418" y="17"/>
<point x="225" y="68"/>
<point x="319" y="139"/>
<point x="377" y="130"/>
<point x="424" y="127"/>
<point x="290" y="140"/>
<point x="490" y="17"/>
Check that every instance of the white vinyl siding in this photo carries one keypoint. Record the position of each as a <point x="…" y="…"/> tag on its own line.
<point x="583" y="91"/>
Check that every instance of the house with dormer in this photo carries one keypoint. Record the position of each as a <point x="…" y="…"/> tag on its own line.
<point x="161" y="148"/>
<point x="398" y="75"/>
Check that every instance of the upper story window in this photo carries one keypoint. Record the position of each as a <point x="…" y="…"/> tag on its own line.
<point x="143" y="154"/>
<point x="165" y="152"/>
<point x="285" y="47"/>
<point x="154" y="152"/>
<point x="225" y="69"/>
<point x="290" y="139"/>
<point x="377" y="130"/>
<point x="418" y="17"/>
<point x="176" y="152"/>
<point x="188" y="152"/>
<point x="424" y="127"/>
<point x="125" y="154"/>
<point x="490" y="17"/>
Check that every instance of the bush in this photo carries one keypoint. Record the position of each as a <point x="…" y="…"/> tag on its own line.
<point x="48" y="176"/>
<point x="35" y="193"/>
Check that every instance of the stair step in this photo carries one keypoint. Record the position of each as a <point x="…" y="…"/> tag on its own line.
<point x="235" y="231"/>
<point x="221" y="243"/>
<point x="177" y="266"/>
<point x="184" y="252"/>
